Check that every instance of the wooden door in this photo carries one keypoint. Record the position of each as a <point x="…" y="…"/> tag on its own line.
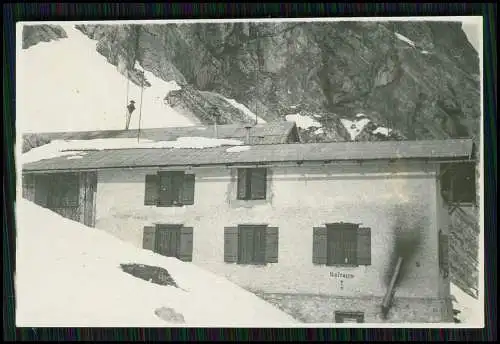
<point x="168" y="240"/>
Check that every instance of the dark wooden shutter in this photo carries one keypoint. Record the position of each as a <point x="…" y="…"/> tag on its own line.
<point x="152" y="186"/>
<point x="42" y="190"/>
<point x="364" y="247"/>
<point x="259" y="181"/>
<point x="177" y="187"/>
<point x="165" y="193"/>
<point x="29" y="187"/>
<point x="188" y="189"/>
<point x="272" y="244"/>
<point x="231" y="238"/>
<point x="242" y="183"/>
<point x="320" y="253"/>
<point x="186" y="244"/>
<point x="148" y="238"/>
<point x="443" y="253"/>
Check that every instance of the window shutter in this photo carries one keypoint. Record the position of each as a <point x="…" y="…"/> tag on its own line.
<point x="272" y="244"/>
<point x="151" y="189"/>
<point x="320" y="252"/>
<point x="148" y="238"/>
<point x="443" y="253"/>
<point x="242" y="177"/>
<point x="177" y="186"/>
<point x="165" y="193"/>
<point x="188" y="189"/>
<point x="29" y="187"/>
<point x="259" y="181"/>
<point x="364" y="247"/>
<point x="231" y="238"/>
<point x="186" y="247"/>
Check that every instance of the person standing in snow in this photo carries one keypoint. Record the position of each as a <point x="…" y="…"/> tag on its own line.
<point x="130" y="109"/>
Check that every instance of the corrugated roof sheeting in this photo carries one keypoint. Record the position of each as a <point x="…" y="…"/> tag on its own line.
<point x="333" y="151"/>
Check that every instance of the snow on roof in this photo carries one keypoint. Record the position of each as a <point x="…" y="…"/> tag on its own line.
<point x="237" y="149"/>
<point x="69" y="275"/>
<point x="304" y="122"/>
<point x="60" y="148"/>
<point x="272" y="153"/>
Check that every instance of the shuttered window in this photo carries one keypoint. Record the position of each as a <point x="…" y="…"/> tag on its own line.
<point x="349" y="317"/>
<point x="169" y="189"/>
<point x="443" y="254"/>
<point x="342" y="244"/>
<point x="251" y="244"/>
<point x="252" y="183"/>
<point x="169" y="240"/>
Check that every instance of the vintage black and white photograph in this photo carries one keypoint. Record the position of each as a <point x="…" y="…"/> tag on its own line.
<point x="250" y="173"/>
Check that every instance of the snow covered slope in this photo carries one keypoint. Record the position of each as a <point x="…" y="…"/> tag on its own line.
<point x="69" y="275"/>
<point x="66" y="85"/>
<point x="471" y="310"/>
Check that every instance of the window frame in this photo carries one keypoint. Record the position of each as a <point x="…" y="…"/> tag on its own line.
<point x="258" y="252"/>
<point x="248" y="194"/>
<point x="353" y="235"/>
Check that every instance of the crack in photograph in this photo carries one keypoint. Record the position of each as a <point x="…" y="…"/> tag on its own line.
<point x="250" y="173"/>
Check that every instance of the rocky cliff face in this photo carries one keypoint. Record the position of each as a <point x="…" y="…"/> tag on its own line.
<point x="419" y="79"/>
<point x="33" y="34"/>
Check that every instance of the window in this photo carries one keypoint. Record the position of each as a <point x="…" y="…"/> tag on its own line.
<point x="443" y="254"/>
<point x="251" y="244"/>
<point x="458" y="183"/>
<point x="63" y="191"/>
<point x="252" y="183"/>
<point x="168" y="189"/>
<point x="170" y="240"/>
<point x="342" y="244"/>
<point x="349" y="317"/>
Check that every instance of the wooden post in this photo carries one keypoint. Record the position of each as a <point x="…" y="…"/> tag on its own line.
<point x="386" y="302"/>
<point x="140" y="108"/>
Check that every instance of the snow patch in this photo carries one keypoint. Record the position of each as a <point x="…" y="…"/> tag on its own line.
<point x="74" y="157"/>
<point x="471" y="310"/>
<point x="319" y="131"/>
<point x="404" y="39"/>
<point x="66" y="85"/>
<point x="245" y="110"/>
<point x="237" y="149"/>
<point x="425" y="52"/>
<point x="304" y="122"/>
<point x="360" y="115"/>
<point x="382" y="130"/>
<point x="69" y="275"/>
<point x="59" y="148"/>
<point x="354" y="128"/>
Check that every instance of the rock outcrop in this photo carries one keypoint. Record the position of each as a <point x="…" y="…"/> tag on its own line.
<point x="420" y="79"/>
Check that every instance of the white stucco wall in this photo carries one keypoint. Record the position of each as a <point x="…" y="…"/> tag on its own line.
<point x="299" y="198"/>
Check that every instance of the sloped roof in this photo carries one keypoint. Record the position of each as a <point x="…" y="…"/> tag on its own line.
<point x="275" y="153"/>
<point x="262" y="133"/>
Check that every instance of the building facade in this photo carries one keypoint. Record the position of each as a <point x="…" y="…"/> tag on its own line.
<point x="316" y="230"/>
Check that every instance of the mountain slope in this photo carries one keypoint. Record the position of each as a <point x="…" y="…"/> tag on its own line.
<point x="419" y="79"/>
<point x="66" y="84"/>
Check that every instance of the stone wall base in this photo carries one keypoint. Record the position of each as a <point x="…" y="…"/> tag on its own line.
<point x="323" y="308"/>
